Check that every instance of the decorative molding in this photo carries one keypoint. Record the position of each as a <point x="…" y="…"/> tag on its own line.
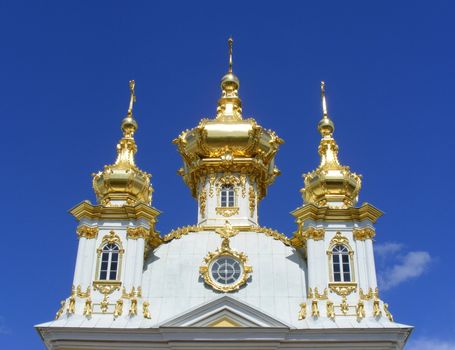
<point x="87" y="232"/>
<point x="313" y="233"/>
<point x="133" y="307"/>
<point x="362" y="234"/>
<point x="106" y="287"/>
<point x="82" y="294"/>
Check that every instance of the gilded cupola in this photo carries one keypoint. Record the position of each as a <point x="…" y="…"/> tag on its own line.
<point x="331" y="184"/>
<point x="123" y="182"/>
<point x="228" y="142"/>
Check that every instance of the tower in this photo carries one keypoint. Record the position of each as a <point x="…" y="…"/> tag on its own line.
<point x="337" y="236"/>
<point x="114" y="236"/>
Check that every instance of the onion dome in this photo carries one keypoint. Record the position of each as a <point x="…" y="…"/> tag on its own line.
<point x="123" y="183"/>
<point x="331" y="184"/>
<point x="228" y="143"/>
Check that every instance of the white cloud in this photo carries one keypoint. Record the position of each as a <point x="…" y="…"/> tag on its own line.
<point x="430" y="344"/>
<point x="387" y="248"/>
<point x="411" y="265"/>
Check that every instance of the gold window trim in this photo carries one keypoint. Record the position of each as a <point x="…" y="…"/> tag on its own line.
<point x="339" y="239"/>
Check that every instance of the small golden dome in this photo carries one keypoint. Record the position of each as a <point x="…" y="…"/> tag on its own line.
<point x="331" y="184"/>
<point x="123" y="183"/>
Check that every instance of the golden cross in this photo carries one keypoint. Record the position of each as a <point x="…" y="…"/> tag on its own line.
<point x="132" y="97"/>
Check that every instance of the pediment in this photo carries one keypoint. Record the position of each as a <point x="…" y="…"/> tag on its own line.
<point x="224" y="312"/>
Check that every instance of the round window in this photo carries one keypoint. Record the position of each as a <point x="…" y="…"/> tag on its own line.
<point x="226" y="270"/>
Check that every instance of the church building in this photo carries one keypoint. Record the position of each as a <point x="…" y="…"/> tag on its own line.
<point x="225" y="281"/>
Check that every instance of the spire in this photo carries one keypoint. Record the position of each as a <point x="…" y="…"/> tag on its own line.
<point x="331" y="184"/>
<point x="328" y="148"/>
<point x="123" y="182"/>
<point x="229" y="105"/>
<point x="230" y="42"/>
<point x="126" y="147"/>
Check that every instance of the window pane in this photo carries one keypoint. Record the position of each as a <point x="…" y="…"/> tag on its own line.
<point x="337" y="277"/>
<point x="113" y="275"/>
<point x="103" y="275"/>
<point x="347" y="277"/>
<point x="345" y="258"/>
<point x="114" y="257"/>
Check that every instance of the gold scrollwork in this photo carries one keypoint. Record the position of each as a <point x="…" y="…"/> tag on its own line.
<point x="137" y="232"/>
<point x="339" y="239"/>
<point x="227" y="211"/>
<point x="362" y="234"/>
<point x="366" y="296"/>
<point x="343" y="289"/>
<point x="82" y="294"/>
<point x="106" y="287"/>
<point x="104" y="305"/>
<point x="376" y="309"/>
<point x="135" y="292"/>
<point x="316" y="295"/>
<point x="316" y="234"/>
<point x="212" y="179"/>
<point x="243" y="184"/>
<point x="87" y="232"/>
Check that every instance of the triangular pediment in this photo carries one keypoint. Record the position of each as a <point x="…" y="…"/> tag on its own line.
<point x="224" y="312"/>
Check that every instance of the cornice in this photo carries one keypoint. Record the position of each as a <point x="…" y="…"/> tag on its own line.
<point x="312" y="212"/>
<point x="140" y="211"/>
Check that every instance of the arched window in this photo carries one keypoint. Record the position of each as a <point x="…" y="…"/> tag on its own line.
<point x="109" y="262"/>
<point x="227" y="196"/>
<point x="341" y="264"/>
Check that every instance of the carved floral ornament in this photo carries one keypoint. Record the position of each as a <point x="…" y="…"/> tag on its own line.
<point x="87" y="232"/>
<point x="137" y="232"/>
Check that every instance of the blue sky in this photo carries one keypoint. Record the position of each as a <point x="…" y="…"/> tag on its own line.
<point x="389" y="70"/>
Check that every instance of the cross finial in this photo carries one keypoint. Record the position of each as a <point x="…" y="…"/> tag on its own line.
<point x="230" y="41"/>
<point x="324" y="103"/>
<point x="132" y="97"/>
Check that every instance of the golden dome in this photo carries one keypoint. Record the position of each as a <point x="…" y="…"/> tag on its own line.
<point x="123" y="183"/>
<point x="228" y="143"/>
<point x="331" y="184"/>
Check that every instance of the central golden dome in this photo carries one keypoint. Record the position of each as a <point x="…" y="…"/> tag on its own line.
<point x="229" y="143"/>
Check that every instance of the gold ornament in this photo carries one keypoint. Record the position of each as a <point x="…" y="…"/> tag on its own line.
<point x="387" y="312"/>
<point x="376" y="309"/>
<point x="302" y="312"/>
<point x="360" y="310"/>
<point x="330" y="310"/>
<point x="118" y="308"/>
<point x="252" y="200"/>
<point x="362" y="234"/>
<point x="145" y="309"/>
<point x="60" y="310"/>
<point x="87" y="232"/>
<point x="88" y="307"/>
<point x="133" y="307"/>
<point x="202" y="202"/>
<point x="314" y="308"/>
<point x="104" y="305"/>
